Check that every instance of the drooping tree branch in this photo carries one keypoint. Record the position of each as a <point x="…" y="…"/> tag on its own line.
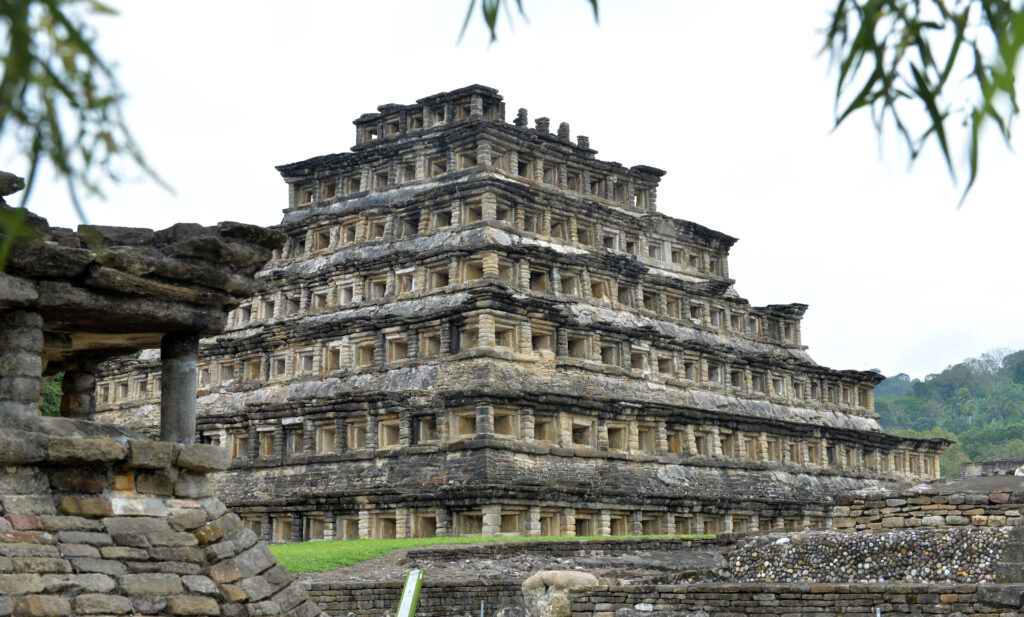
<point x="952" y="60"/>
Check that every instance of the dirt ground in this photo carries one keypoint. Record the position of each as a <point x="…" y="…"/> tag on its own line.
<point x="623" y="568"/>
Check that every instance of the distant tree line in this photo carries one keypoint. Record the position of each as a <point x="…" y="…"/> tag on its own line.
<point x="978" y="402"/>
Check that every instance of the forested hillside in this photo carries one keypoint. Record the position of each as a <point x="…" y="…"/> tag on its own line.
<point x="979" y="403"/>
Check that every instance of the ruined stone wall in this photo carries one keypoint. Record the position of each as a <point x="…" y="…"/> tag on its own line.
<point x="798" y="600"/>
<point x="94" y="525"/>
<point x="713" y="599"/>
<point x="995" y="467"/>
<point x="437" y="599"/>
<point x="561" y="548"/>
<point x="957" y="506"/>
<point x="912" y="572"/>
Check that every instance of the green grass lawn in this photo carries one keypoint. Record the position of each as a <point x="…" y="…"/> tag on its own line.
<point x="327" y="555"/>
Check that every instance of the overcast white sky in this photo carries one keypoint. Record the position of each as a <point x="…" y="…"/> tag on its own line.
<point x="729" y="97"/>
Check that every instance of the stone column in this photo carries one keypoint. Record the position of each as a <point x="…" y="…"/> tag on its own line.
<point x="564" y="424"/>
<point x="329" y="530"/>
<point x="441" y="422"/>
<point x="697" y="526"/>
<point x="485" y="420"/>
<point x="568" y="522"/>
<point x="533" y="521"/>
<point x="691" y="441"/>
<point x="485" y="330"/>
<point x="669" y="526"/>
<point x="483" y="154"/>
<point x="178" y="387"/>
<point x="636" y="524"/>
<point x="527" y="425"/>
<point x="364" y="524"/>
<point x="404" y="433"/>
<point x="602" y="434"/>
<point x="402" y="523"/>
<point x="78" y="389"/>
<point x="266" y="528"/>
<point x="491" y="520"/>
<point x="442" y="521"/>
<point x="21" y="351"/>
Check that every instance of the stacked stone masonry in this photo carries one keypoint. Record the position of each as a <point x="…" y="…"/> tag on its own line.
<point x="561" y="548"/>
<point x="934" y="571"/>
<point x="94" y="525"/>
<point x="477" y="327"/>
<point x="798" y="599"/>
<point x="899" y="509"/>
<point x="437" y="599"/>
<point x="712" y="599"/>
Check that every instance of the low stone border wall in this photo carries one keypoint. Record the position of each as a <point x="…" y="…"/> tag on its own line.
<point x="890" y="510"/>
<point x="504" y="598"/>
<point x="796" y="600"/>
<point x="563" y="548"/>
<point x="444" y="599"/>
<point x="999" y="466"/>
<point x="102" y="526"/>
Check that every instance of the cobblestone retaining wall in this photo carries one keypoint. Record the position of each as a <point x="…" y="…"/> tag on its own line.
<point x="95" y="525"/>
<point x="796" y="600"/>
<point x="962" y="555"/>
<point x="442" y="599"/>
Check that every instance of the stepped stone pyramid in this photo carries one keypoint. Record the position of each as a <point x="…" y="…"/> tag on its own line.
<point x="478" y="327"/>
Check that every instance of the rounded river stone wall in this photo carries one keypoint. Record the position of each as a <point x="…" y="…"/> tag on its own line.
<point x="920" y="555"/>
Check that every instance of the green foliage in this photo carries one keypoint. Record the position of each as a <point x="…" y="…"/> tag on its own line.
<point x="979" y="403"/>
<point x="953" y="59"/>
<point x="50" y="400"/>
<point x="490" y="9"/>
<point x="326" y="555"/>
<point x="895" y="386"/>
<point x="60" y="102"/>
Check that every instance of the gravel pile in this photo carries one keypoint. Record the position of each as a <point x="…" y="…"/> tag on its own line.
<point x="956" y="555"/>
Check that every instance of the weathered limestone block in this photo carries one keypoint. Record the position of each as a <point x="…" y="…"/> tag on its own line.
<point x="20" y="447"/>
<point x="41" y="606"/>
<point x="75" y="505"/>
<point x="146" y="454"/>
<point x="546" y="594"/>
<point x="151" y="584"/>
<point x="16" y="292"/>
<point x="192" y="485"/>
<point x="204" y="458"/>
<point x="85" y="450"/>
<point x="77" y="583"/>
<point x="92" y="603"/>
<point x="192" y="605"/>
